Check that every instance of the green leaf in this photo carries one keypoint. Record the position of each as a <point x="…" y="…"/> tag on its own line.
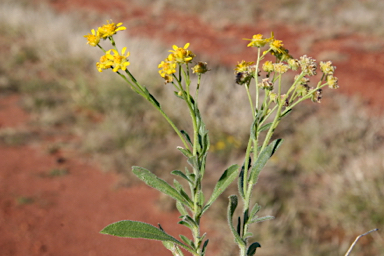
<point x="186" y="152"/>
<point x="181" y="209"/>
<point x="194" y="162"/>
<point x="253" y="129"/>
<point x="137" y="229"/>
<point x="187" y="241"/>
<point x="265" y="127"/>
<point x="181" y="174"/>
<point x="228" y="176"/>
<point x="151" y="97"/>
<point x="256" y="208"/>
<point x="231" y="209"/>
<point x="286" y="113"/>
<point x="204" y="247"/>
<point x="252" y="249"/>
<point x="240" y="182"/>
<point x="187" y="137"/>
<point x="261" y="219"/>
<point x="153" y="181"/>
<point x="262" y="160"/>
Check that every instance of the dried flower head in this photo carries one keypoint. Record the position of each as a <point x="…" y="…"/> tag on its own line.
<point x="327" y="68"/>
<point x="200" y="68"/>
<point x="332" y="82"/>
<point x="308" y="65"/>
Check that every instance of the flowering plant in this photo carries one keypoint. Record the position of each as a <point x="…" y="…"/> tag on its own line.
<point x="269" y="105"/>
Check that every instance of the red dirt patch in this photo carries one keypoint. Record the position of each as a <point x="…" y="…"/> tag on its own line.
<point x="55" y="204"/>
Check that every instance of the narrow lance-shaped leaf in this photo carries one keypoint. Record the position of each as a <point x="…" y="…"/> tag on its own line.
<point x="228" y="176"/>
<point x="262" y="160"/>
<point x="252" y="248"/>
<point x="137" y="229"/>
<point x="261" y="219"/>
<point x="231" y="209"/>
<point x="153" y="181"/>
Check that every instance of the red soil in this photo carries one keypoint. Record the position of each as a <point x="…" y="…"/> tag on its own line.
<point x="41" y="214"/>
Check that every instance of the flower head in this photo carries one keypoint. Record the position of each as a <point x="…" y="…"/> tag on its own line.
<point x="268" y="66"/>
<point x="118" y="61"/>
<point x="327" y="68"/>
<point x="257" y="41"/>
<point x="110" y="29"/>
<point x="182" y="55"/>
<point x="243" y="66"/>
<point x="200" y="68"/>
<point x="317" y="95"/>
<point x="308" y="65"/>
<point x="266" y="84"/>
<point x="293" y="64"/>
<point x="104" y="63"/>
<point x="94" y="38"/>
<point x="280" y="68"/>
<point x="168" y="67"/>
<point x="332" y="82"/>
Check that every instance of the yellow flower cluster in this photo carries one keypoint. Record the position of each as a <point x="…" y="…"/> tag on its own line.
<point x="103" y="32"/>
<point x="179" y="55"/>
<point x="244" y="71"/>
<point x="112" y="59"/>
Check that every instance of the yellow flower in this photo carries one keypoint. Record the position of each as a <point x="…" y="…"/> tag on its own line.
<point x="110" y="29"/>
<point x="243" y="66"/>
<point x="182" y="55"/>
<point x="200" y="68"/>
<point x="104" y="63"/>
<point x="257" y="41"/>
<point x="118" y="61"/>
<point x="268" y="66"/>
<point x="94" y="38"/>
<point x="168" y="67"/>
<point x="277" y="49"/>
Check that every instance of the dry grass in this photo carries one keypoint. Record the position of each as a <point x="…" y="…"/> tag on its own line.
<point x="325" y="185"/>
<point x="325" y="16"/>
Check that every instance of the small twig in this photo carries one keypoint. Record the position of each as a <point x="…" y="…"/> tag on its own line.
<point x="357" y="239"/>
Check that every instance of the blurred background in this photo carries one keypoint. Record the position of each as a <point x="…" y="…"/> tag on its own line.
<point x="325" y="185"/>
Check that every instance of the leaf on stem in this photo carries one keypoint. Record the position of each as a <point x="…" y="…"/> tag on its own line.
<point x="231" y="209"/>
<point x="186" y="135"/>
<point x="228" y="176"/>
<point x="186" y="152"/>
<point x="261" y="219"/>
<point x="262" y="160"/>
<point x="181" y="174"/>
<point x="137" y="229"/>
<point x="153" y="181"/>
<point x="252" y="249"/>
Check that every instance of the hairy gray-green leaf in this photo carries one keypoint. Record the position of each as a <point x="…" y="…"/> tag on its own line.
<point x="137" y="229"/>
<point x="228" y="176"/>
<point x="153" y="181"/>
<point x="181" y="174"/>
<point x="186" y="152"/>
<point x="231" y="209"/>
<point x="262" y="160"/>
<point x="261" y="219"/>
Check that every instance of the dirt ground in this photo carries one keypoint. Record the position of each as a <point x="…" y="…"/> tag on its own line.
<point x="56" y="203"/>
